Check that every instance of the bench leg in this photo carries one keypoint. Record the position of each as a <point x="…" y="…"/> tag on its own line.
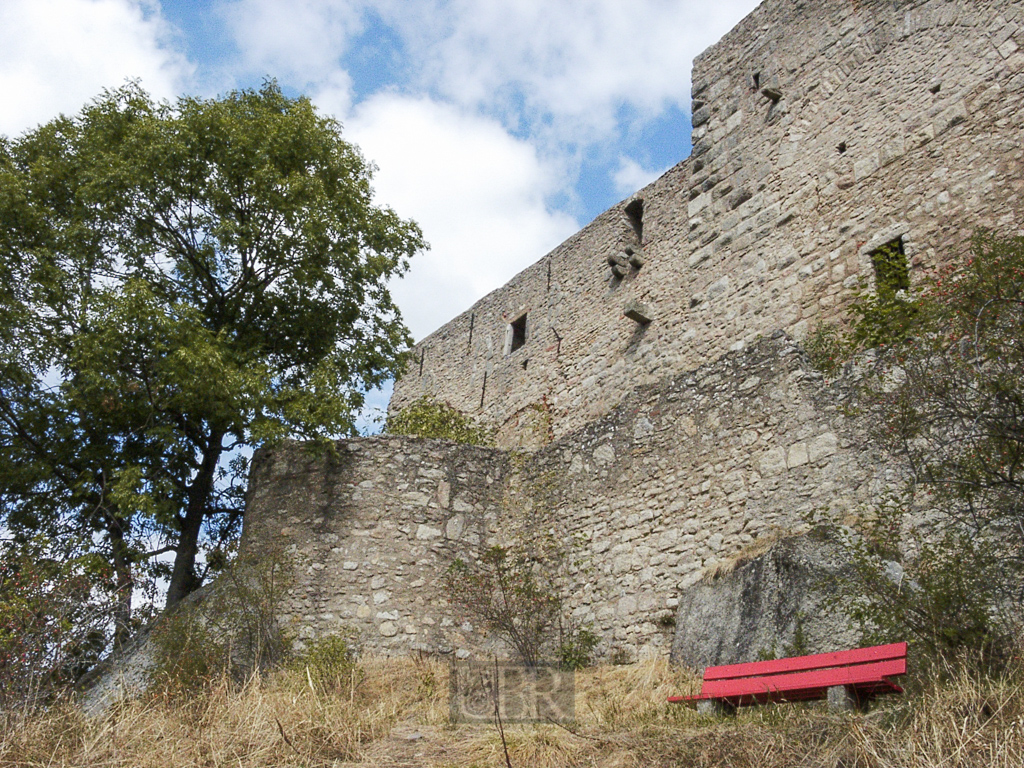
<point x="845" y="699"/>
<point x="715" y="707"/>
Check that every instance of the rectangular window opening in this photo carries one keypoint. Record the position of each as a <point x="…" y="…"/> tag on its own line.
<point x="518" y="331"/>
<point x="892" y="273"/>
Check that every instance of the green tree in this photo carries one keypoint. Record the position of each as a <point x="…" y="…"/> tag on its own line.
<point x="946" y="397"/>
<point x="180" y="283"/>
<point x="951" y="394"/>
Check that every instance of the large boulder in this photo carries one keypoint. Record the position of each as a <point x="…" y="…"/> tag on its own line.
<point x="771" y="605"/>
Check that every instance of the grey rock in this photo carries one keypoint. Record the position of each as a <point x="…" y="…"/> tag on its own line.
<point x="756" y="609"/>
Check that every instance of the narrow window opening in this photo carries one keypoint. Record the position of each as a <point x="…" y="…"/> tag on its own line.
<point x="518" y="327"/>
<point x="635" y="214"/>
<point x="422" y="353"/>
<point x="472" y="319"/>
<point x="756" y="79"/>
<point x="549" y="274"/>
<point x="892" y="273"/>
<point x="841" y="147"/>
<point x="483" y="390"/>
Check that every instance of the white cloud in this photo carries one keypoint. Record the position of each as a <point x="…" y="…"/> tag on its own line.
<point x="299" y="40"/>
<point x="560" y="70"/>
<point x="477" y="192"/>
<point x="56" y="55"/>
<point x="631" y="176"/>
<point x="571" y="65"/>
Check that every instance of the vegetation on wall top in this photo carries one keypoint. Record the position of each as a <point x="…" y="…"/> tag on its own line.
<point x="432" y="418"/>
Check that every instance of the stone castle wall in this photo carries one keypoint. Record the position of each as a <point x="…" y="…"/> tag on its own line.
<point x="682" y="475"/>
<point x="820" y="132"/>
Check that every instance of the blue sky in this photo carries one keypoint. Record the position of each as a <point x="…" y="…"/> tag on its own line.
<point x="501" y="126"/>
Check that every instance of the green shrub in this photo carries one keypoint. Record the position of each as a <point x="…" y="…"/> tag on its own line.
<point x="882" y="322"/>
<point x="510" y="593"/>
<point x="228" y="629"/>
<point x="576" y="651"/>
<point x="431" y="418"/>
<point x="826" y="348"/>
<point x="948" y="592"/>
<point x="188" y="656"/>
<point x="53" y="623"/>
<point x="330" y="664"/>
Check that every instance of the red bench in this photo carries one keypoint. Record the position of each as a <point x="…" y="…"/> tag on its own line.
<point x="848" y="679"/>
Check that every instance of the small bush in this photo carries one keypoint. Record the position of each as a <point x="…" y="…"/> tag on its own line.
<point x="188" y="657"/>
<point x="576" y="651"/>
<point x="53" y="622"/>
<point x="826" y="349"/>
<point x="509" y="592"/>
<point x="431" y="418"/>
<point x="330" y="665"/>
<point x="949" y="593"/>
<point x="880" y="321"/>
<point x="230" y="629"/>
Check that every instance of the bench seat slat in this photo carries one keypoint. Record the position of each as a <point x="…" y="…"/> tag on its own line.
<point x="817" y="661"/>
<point x="864" y="674"/>
<point x="868" y="671"/>
<point x="872" y="688"/>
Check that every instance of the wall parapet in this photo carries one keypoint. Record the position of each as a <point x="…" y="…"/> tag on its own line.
<point x="683" y="474"/>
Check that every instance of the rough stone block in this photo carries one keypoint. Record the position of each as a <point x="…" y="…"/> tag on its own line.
<point x="950" y="117"/>
<point x="425" y="532"/>
<point x="715" y="708"/>
<point x="844" y="699"/>
<point x="797" y="455"/>
<point x="822" y="446"/>
<point x="773" y="461"/>
<point x="638" y="312"/>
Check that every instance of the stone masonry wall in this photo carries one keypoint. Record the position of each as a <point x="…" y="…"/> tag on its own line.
<point x="821" y="130"/>
<point x="370" y="528"/>
<point x="681" y="475"/>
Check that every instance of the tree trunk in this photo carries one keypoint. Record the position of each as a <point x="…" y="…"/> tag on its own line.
<point x="123" y="582"/>
<point x="183" y="575"/>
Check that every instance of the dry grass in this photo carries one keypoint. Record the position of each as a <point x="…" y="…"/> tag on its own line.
<point x="752" y="551"/>
<point x="395" y="713"/>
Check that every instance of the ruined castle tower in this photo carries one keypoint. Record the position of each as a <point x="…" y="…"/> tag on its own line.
<point x="821" y="131"/>
<point x="650" y="359"/>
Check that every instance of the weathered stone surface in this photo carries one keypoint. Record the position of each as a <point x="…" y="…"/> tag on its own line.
<point x="666" y="448"/>
<point x="907" y="112"/>
<point x="683" y="474"/>
<point x="757" y="608"/>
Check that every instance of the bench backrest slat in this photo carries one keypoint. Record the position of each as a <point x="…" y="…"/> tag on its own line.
<point x="855" y="657"/>
<point x="857" y="674"/>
